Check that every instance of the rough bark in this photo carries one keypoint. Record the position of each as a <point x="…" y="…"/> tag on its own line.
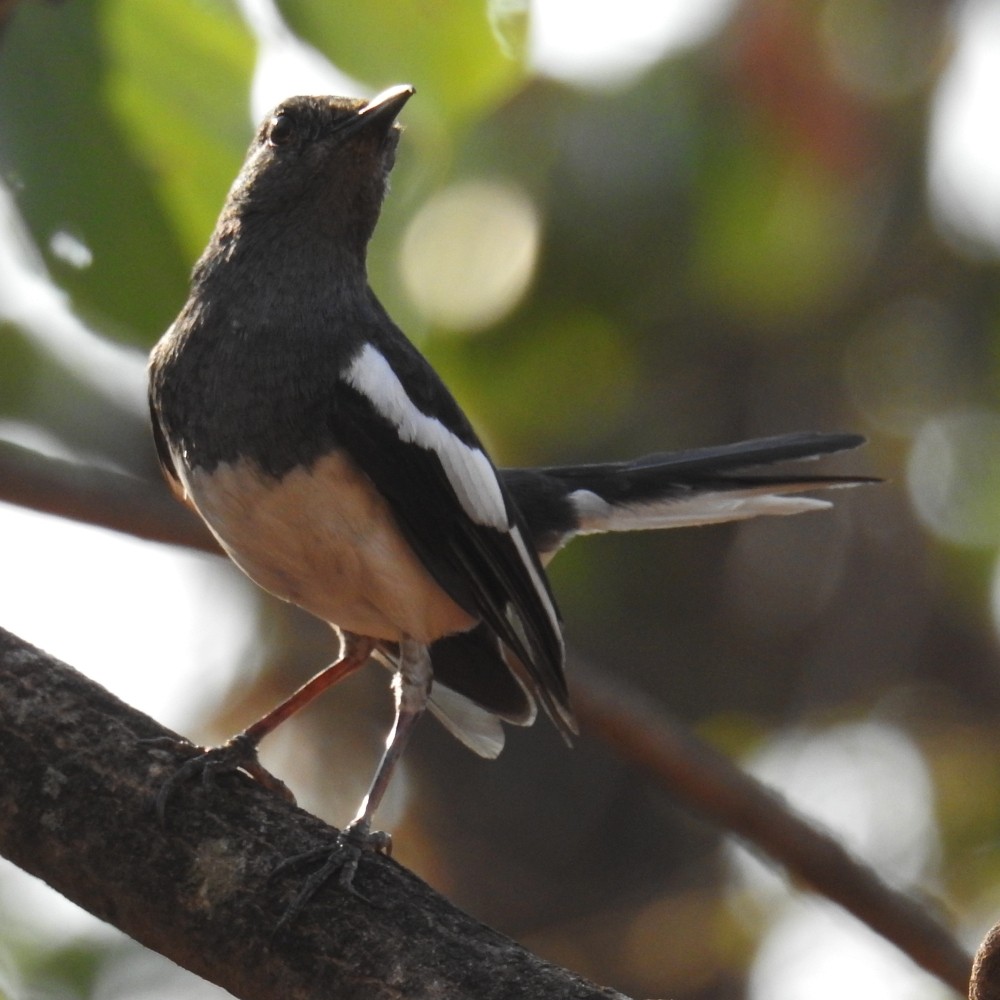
<point x="76" y="809"/>
<point x="985" y="983"/>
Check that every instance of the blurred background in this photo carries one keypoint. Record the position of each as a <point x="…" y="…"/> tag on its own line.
<point x="614" y="228"/>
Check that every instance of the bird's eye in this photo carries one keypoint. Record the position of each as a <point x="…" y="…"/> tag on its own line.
<point x="282" y="130"/>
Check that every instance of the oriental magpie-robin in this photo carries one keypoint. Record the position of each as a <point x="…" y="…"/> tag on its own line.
<point x="338" y="472"/>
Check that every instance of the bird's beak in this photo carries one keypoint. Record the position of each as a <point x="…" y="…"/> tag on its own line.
<point x="381" y="110"/>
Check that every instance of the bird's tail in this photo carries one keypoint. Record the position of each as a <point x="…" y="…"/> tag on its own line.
<point x="675" y="489"/>
<point x="667" y="490"/>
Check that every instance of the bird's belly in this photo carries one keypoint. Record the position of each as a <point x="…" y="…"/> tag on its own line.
<point x="325" y="539"/>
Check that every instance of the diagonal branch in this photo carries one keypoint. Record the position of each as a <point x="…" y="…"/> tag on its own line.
<point x="76" y="809"/>
<point x="628" y="723"/>
<point x="708" y="782"/>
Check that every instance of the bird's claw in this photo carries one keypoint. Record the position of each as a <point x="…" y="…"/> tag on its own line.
<point x="237" y="754"/>
<point x="376" y="841"/>
<point x="338" y="860"/>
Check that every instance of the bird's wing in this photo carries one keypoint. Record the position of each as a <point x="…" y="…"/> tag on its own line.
<point x="404" y="430"/>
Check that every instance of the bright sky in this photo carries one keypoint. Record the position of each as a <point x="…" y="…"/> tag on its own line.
<point x="965" y="138"/>
<point x="596" y="44"/>
<point x="90" y="577"/>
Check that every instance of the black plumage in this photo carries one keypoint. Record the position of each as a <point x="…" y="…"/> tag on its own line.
<point x="338" y="471"/>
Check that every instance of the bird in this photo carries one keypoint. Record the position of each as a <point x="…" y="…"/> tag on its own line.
<point x="338" y="472"/>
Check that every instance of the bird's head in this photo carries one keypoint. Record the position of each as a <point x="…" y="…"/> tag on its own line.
<point x="322" y="163"/>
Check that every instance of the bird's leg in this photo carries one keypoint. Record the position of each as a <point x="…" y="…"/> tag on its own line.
<point x="240" y="752"/>
<point x="354" y="655"/>
<point x="412" y="686"/>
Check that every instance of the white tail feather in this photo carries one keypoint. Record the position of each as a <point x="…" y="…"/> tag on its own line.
<point x="597" y="515"/>
<point x="480" y="730"/>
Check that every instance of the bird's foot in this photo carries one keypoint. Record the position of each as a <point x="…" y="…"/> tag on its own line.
<point x="237" y="754"/>
<point x="338" y="860"/>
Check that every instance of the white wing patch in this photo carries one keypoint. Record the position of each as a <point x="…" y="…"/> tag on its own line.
<point x="468" y="470"/>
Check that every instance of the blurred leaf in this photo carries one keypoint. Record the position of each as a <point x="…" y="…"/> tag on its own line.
<point x="190" y="136"/>
<point x="542" y="381"/>
<point x="775" y="234"/>
<point x="70" y="970"/>
<point x="113" y="116"/>
<point x="22" y="369"/>
<point x="446" y="48"/>
<point x="510" y="21"/>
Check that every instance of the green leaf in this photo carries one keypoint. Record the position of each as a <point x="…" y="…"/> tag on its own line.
<point x="191" y="135"/>
<point x="122" y="124"/>
<point x="446" y="48"/>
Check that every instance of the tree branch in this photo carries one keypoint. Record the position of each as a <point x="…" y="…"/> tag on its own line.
<point x="985" y="984"/>
<point x="100" y="497"/>
<point x="708" y="782"/>
<point x="76" y="809"/>
<point x="626" y="721"/>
